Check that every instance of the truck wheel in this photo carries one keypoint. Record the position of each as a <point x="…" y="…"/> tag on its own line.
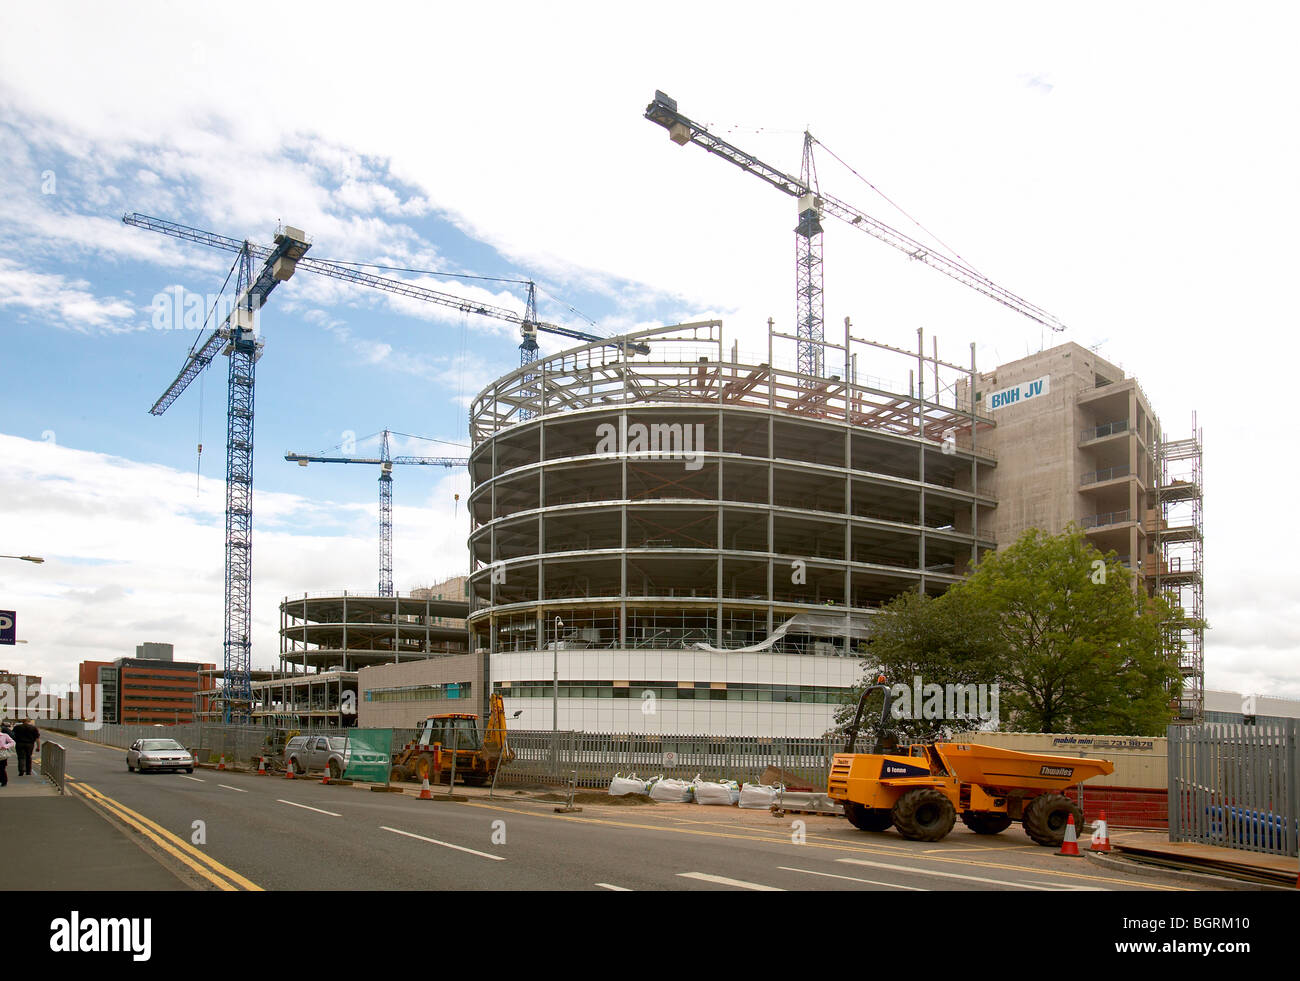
<point x="924" y="814"/>
<point x="398" y="775"/>
<point x="1046" y="817"/>
<point x="868" y="818"/>
<point x="335" y="772"/>
<point x="986" y="822"/>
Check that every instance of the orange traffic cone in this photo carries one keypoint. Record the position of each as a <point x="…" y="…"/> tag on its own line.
<point x="425" y="793"/>
<point x="326" y="778"/>
<point x="261" y="766"/>
<point x="1070" y="846"/>
<point x="1101" y="836"/>
<point x="288" y="770"/>
<point x="221" y="763"/>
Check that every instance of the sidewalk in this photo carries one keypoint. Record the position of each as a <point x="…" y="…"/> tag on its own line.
<point x="57" y="842"/>
<point x="1234" y="862"/>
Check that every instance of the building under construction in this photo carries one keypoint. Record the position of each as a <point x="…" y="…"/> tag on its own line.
<point x="694" y="540"/>
<point x="1078" y="442"/>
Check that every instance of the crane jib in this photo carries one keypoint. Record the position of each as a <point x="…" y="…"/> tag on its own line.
<point x="663" y="112"/>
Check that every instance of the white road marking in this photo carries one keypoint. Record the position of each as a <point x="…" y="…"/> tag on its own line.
<point x="612" y="888"/>
<point x="308" y="807"/>
<point x="948" y="875"/>
<point x="195" y="779"/>
<point x="235" y="789"/>
<point x="871" y="882"/>
<point x="444" y="844"/>
<point x="724" y="881"/>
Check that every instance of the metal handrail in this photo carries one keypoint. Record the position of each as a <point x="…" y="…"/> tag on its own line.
<point x="53" y="762"/>
<point x="1110" y="473"/>
<point x="1109" y="518"/>
<point x="1105" y="429"/>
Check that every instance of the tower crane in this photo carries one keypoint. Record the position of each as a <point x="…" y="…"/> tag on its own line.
<point x="812" y="205"/>
<point x="528" y="324"/>
<point x="385" y="461"/>
<point x="238" y="334"/>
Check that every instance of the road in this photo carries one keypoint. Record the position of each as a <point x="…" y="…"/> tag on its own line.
<point x="226" y="830"/>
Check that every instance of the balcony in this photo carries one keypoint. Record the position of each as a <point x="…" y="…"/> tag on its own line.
<point x="1098" y="476"/>
<point x="1104" y="430"/>
<point x="1094" y="521"/>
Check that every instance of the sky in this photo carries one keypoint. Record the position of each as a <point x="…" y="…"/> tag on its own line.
<point x="1130" y="168"/>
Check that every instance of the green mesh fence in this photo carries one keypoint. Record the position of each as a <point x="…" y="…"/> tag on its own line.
<point x="369" y="755"/>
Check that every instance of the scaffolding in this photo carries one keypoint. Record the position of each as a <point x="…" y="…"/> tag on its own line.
<point x="1180" y="573"/>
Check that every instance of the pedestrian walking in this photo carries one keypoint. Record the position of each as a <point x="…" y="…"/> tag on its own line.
<point x="6" y="750"/>
<point x="27" y="738"/>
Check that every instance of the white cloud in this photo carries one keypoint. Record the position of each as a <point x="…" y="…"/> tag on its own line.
<point x="58" y="300"/>
<point x="133" y="555"/>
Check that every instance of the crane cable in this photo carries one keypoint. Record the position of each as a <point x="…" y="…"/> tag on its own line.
<point x="953" y="252"/>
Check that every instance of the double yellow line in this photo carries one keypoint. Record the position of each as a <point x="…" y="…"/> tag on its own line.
<point x="225" y="879"/>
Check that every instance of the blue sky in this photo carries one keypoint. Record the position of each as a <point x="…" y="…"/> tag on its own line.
<point x="1138" y="183"/>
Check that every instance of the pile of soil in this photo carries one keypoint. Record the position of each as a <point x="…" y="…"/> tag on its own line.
<point x="595" y="798"/>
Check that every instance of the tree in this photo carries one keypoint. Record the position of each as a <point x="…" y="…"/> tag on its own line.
<point x="1050" y="620"/>
<point x="942" y="640"/>
<point x="1078" y="649"/>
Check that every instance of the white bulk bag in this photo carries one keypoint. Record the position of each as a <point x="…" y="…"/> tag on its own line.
<point x="621" y="785"/>
<point x="671" y="791"/>
<point x="758" y="796"/>
<point x="723" y="792"/>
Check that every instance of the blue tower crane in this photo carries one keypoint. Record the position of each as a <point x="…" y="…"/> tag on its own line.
<point x="238" y="334"/>
<point x="385" y="461"/>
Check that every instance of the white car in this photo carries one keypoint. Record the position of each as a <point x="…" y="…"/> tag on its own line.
<point x="158" y="754"/>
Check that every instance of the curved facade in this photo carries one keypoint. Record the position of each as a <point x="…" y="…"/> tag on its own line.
<point x="712" y="533"/>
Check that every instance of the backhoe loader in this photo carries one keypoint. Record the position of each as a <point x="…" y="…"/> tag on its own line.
<point x="477" y="754"/>
<point x="920" y="789"/>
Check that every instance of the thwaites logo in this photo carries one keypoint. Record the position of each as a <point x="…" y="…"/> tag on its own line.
<point x="1056" y="771"/>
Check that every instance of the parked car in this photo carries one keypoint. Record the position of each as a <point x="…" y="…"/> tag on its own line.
<point x="159" y="754"/>
<point x="305" y="753"/>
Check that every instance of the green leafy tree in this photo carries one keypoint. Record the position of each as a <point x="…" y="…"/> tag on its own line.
<point x="1077" y="648"/>
<point x="1057" y="625"/>
<point x="942" y="640"/>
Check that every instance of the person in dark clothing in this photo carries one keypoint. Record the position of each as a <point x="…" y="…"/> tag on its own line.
<point x="27" y="737"/>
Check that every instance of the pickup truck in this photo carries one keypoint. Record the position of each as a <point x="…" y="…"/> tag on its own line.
<point x="305" y="753"/>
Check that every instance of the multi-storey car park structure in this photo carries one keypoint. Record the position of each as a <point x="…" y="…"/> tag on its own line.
<point x="694" y="541"/>
<point x="328" y="638"/>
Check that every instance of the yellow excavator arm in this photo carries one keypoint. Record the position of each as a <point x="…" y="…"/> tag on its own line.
<point x="495" y="744"/>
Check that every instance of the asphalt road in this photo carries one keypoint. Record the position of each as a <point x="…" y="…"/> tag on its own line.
<point x="219" y="829"/>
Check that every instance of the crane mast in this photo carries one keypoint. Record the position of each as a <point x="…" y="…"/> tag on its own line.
<point x="385" y="461"/>
<point x="243" y="347"/>
<point x="814" y="203"/>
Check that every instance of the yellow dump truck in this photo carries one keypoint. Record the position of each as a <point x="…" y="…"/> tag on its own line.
<point x="920" y="789"/>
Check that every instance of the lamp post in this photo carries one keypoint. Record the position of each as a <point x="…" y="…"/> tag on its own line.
<point x="555" y="678"/>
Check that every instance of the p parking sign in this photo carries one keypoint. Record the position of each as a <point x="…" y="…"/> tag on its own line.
<point x="8" y="627"/>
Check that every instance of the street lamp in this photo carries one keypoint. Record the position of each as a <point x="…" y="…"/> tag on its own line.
<point x="24" y="558"/>
<point x="555" y="678"/>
